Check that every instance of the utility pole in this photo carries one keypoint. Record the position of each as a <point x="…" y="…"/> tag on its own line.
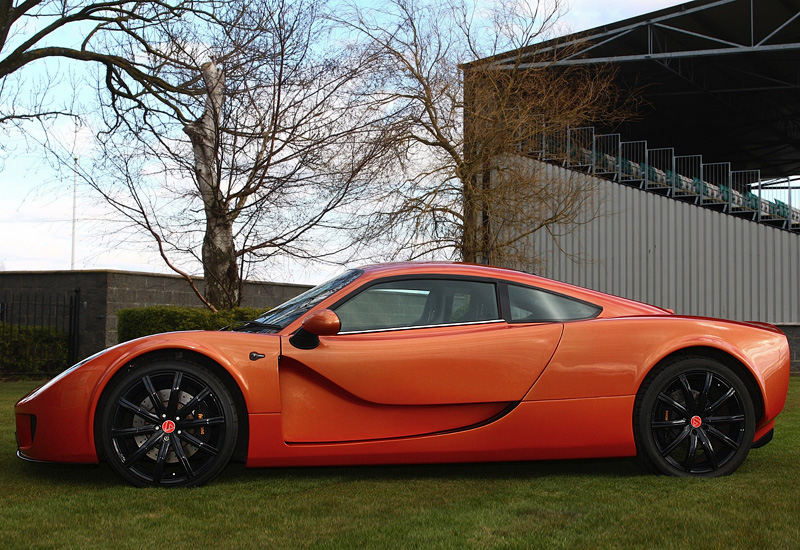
<point x="74" y="210"/>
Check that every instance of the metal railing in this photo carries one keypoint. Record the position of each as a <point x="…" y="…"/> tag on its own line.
<point x="688" y="178"/>
<point x="38" y="332"/>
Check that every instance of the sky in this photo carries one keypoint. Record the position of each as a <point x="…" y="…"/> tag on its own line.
<point x="36" y="209"/>
<point x="587" y="14"/>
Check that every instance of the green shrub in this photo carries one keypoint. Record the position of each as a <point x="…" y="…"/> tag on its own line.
<point x="32" y="350"/>
<point x="136" y="322"/>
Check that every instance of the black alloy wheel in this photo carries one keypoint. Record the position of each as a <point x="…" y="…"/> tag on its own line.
<point x="168" y="424"/>
<point x="694" y="418"/>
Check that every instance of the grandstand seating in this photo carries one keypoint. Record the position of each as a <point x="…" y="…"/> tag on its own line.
<point x="687" y="178"/>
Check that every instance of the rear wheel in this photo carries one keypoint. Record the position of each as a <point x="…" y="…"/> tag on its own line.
<point x="694" y="418"/>
<point x="168" y="424"/>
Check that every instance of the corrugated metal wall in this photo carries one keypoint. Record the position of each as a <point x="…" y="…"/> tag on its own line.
<point x="680" y="256"/>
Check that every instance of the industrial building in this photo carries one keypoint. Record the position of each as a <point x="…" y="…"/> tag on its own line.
<point x="697" y="204"/>
<point x="696" y="211"/>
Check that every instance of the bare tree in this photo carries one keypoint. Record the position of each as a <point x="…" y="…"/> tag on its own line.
<point x="468" y="118"/>
<point x="239" y="130"/>
<point x="231" y="131"/>
<point x="35" y="32"/>
<point x="275" y="157"/>
<point x="44" y="42"/>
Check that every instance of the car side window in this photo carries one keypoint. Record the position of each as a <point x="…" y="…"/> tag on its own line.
<point x="534" y="305"/>
<point x="419" y="302"/>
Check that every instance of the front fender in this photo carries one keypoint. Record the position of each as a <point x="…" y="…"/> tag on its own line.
<point x="55" y="423"/>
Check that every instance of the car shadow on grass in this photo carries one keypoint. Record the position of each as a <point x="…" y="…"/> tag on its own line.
<point x="84" y="475"/>
<point x="101" y="476"/>
<point x="608" y="468"/>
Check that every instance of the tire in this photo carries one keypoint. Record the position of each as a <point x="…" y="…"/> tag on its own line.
<point x="694" y="417"/>
<point x="182" y="438"/>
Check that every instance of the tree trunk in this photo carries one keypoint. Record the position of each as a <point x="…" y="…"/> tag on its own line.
<point x="469" y="227"/>
<point x="220" y="269"/>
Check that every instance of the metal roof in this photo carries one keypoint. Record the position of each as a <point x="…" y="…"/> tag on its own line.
<point x="719" y="78"/>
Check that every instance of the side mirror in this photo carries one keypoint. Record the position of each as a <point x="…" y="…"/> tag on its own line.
<point x="322" y="323"/>
<point x="319" y="323"/>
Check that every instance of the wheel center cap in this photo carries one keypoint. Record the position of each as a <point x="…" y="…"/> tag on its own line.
<point x="169" y="426"/>
<point x="696" y="422"/>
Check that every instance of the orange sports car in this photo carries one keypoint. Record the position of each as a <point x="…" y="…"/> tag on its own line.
<point x="420" y="363"/>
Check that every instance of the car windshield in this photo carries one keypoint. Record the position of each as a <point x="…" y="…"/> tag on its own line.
<point x="279" y="317"/>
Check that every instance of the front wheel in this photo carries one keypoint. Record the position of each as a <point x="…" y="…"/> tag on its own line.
<point x="694" y="418"/>
<point x="168" y="424"/>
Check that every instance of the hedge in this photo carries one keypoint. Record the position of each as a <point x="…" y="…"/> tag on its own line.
<point x="28" y="350"/>
<point x="136" y="322"/>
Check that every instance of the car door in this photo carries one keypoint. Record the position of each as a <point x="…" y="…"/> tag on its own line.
<point x="413" y="356"/>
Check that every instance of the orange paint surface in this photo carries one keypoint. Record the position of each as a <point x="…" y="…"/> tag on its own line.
<point x="483" y="391"/>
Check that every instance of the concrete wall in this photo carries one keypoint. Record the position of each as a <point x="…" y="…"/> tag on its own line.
<point x="103" y="293"/>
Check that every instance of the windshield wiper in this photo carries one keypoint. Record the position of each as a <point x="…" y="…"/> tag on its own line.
<point x="251" y="326"/>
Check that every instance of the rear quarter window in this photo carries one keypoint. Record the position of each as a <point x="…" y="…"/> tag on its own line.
<point x="534" y="305"/>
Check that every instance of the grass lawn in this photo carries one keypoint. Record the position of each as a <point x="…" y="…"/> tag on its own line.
<point x="568" y="504"/>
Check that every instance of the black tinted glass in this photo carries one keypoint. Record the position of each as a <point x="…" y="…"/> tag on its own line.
<point x="419" y="302"/>
<point x="534" y="305"/>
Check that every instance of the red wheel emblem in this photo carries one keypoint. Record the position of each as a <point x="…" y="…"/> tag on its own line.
<point x="169" y="426"/>
<point x="696" y="422"/>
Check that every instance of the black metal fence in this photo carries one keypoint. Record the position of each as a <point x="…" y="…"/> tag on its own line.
<point x="38" y="332"/>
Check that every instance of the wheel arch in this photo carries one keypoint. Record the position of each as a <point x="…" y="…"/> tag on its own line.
<point x="730" y="361"/>
<point x="243" y="435"/>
